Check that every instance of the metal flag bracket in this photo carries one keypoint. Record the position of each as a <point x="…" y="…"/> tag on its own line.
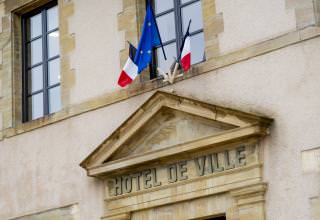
<point x="171" y="75"/>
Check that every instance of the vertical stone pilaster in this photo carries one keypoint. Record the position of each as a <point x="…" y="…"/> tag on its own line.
<point x="2" y="13"/>
<point x="1" y="67"/>
<point x="1" y="132"/>
<point x="17" y="69"/>
<point x="250" y="202"/>
<point x="304" y="11"/>
<point x="316" y="6"/>
<point x="67" y="45"/>
<point x="315" y="208"/>
<point x="232" y="213"/>
<point x="6" y="68"/>
<point x="212" y="25"/>
<point x="130" y="21"/>
<point x="1" y="95"/>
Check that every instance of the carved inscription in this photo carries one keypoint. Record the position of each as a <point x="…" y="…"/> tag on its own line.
<point x="181" y="171"/>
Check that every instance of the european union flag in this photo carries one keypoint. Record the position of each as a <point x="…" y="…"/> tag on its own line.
<point x="150" y="38"/>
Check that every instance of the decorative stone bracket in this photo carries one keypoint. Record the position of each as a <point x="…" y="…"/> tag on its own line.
<point x="250" y="201"/>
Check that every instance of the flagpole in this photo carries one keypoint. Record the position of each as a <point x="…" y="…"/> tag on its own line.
<point x="164" y="54"/>
<point x="189" y="26"/>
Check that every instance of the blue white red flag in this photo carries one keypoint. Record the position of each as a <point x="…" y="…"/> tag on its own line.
<point x="130" y="69"/>
<point x="150" y="38"/>
<point x="185" y="57"/>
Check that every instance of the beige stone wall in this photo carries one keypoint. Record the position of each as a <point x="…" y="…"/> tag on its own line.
<point x="273" y="70"/>
<point x="40" y="168"/>
<point x="90" y="71"/>
<point x="271" y="19"/>
<point x="96" y="57"/>
<point x="64" y="213"/>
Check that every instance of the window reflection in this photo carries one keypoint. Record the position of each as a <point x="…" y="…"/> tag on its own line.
<point x="54" y="71"/>
<point x="35" y="81"/>
<point x="52" y="18"/>
<point x="166" y="27"/>
<point x="171" y="53"/>
<point x="173" y="19"/>
<point x="34" y="26"/>
<point x="53" y="44"/>
<point x="163" y="5"/>
<point x="197" y="45"/>
<point x="193" y="12"/>
<point x="54" y="99"/>
<point x="35" y="52"/>
<point x="36" y="106"/>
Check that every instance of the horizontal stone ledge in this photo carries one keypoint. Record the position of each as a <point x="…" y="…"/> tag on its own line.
<point x="221" y="61"/>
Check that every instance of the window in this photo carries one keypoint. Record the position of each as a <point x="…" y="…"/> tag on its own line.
<point x="41" y="62"/>
<point x="172" y="18"/>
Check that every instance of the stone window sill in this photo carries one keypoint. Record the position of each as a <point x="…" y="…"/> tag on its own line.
<point x="140" y="88"/>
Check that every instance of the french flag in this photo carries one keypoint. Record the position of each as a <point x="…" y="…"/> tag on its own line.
<point x="186" y="51"/>
<point x="130" y="69"/>
<point x="140" y="58"/>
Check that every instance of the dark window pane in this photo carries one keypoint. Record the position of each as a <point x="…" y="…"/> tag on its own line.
<point x="185" y="1"/>
<point x="52" y="18"/>
<point x="35" y="79"/>
<point x="54" y="71"/>
<point x="166" y="26"/>
<point x="171" y="53"/>
<point x="54" y="99"/>
<point x="162" y="5"/>
<point x="193" y="12"/>
<point x="35" y="104"/>
<point x="197" y="48"/>
<point x="53" y="44"/>
<point x="35" y="52"/>
<point x="34" y="26"/>
<point x="217" y="218"/>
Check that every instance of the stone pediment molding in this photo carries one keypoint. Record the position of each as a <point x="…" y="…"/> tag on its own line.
<point x="169" y="126"/>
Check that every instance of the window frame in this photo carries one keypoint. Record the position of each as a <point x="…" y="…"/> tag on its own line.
<point x="177" y="8"/>
<point x="26" y="93"/>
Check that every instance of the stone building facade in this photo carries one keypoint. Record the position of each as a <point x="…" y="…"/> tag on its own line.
<point x="236" y="137"/>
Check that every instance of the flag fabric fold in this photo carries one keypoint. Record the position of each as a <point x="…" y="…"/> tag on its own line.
<point x="149" y="39"/>
<point x="130" y="69"/>
<point x="142" y="56"/>
<point x="185" y="57"/>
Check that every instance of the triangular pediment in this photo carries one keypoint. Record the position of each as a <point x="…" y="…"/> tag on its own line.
<point x="162" y="124"/>
<point x="168" y="127"/>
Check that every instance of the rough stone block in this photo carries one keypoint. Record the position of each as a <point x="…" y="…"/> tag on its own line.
<point x="0" y="89"/>
<point x="311" y="160"/>
<point x="1" y="127"/>
<point x="315" y="208"/>
<point x="305" y="17"/>
<point x="316" y="6"/>
<point x="0" y="57"/>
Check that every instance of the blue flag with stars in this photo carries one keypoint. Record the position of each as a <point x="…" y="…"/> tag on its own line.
<point x="150" y="38"/>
